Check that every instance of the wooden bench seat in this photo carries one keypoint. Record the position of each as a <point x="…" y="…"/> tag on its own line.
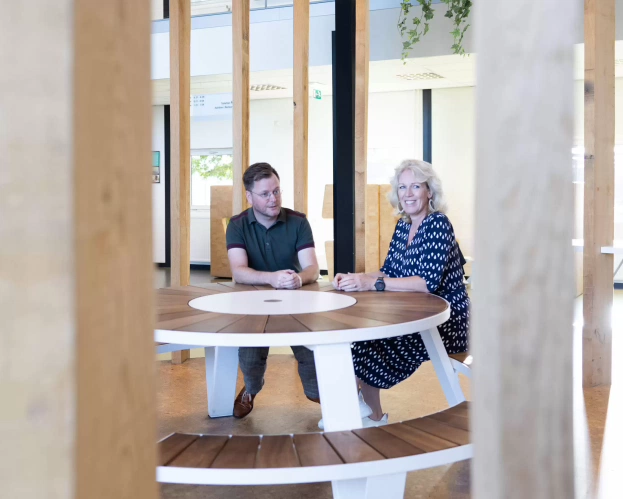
<point x="433" y="440"/>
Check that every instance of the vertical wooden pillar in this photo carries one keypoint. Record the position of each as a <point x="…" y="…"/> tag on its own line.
<point x="75" y="258"/>
<point x="599" y="36"/>
<point x="180" y="141"/>
<point x="180" y="149"/>
<point x="523" y="305"/>
<point x="240" y="33"/>
<point x="362" y="63"/>
<point x="301" y="102"/>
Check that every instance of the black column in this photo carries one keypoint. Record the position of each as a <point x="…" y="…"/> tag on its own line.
<point x="167" y="185"/>
<point x="344" y="136"/>
<point x="427" y="122"/>
<point x="165" y="9"/>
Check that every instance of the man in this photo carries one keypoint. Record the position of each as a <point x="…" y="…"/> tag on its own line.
<point x="268" y="244"/>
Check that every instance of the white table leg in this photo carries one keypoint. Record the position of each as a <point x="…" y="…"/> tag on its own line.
<point x="386" y="486"/>
<point x="446" y="374"/>
<point x="221" y="376"/>
<point x="337" y="387"/>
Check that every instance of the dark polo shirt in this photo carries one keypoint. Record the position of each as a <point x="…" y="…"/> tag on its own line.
<point x="273" y="249"/>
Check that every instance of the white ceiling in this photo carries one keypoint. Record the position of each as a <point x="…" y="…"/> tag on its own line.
<point x="456" y="71"/>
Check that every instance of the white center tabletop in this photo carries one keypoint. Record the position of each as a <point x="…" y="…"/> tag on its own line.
<point x="272" y="302"/>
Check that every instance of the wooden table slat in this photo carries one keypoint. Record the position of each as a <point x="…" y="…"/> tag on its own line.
<point x="215" y="287"/>
<point x="237" y="286"/>
<point x="201" y="453"/>
<point x="212" y="325"/>
<point x="315" y="322"/>
<point x="181" y="292"/>
<point x="464" y="358"/>
<point x="185" y="321"/>
<point x="239" y="452"/>
<point x="179" y="315"/>
<point x="351" y="448"/>
<point x="284" y="324"/>
<point x="418" y="438"/>
<point x="277" y="452"/>
<point x="314" y="450"/>
<point x="353" y="320"/>
<point x="251" y="324"/>
<point x="387" y="444"/>
<point x="441" y="430"/>
<point x="385" y="314"/>
<point x="172" y="446"/>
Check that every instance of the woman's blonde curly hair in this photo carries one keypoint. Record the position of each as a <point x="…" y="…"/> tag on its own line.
<point x="424" y="174"/>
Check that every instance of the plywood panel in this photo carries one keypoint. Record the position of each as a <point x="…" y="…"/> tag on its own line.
<point x="220" y="213"/>
<point x="522" y="423"/>
<point x="372" y="228"/>
<point x="240" y="43"/>
<point x="301" y="102"/>
<point x="180" y="141"/>
<point x="328" y="248"/>
<point x="387" y="221"/>
<point x="327" y="201"/>
<point x="599" y="34"/>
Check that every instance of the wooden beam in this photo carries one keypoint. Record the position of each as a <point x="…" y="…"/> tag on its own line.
<point x="523" y="410"/>
<point x="301" y="102"/>
<point x="180" y="149"/>
<point x="75" y="258"/>
<point x="180" y="141"/>
<point x="240" y="33"/>
<point x="362" y="64"/>
<point x="599" y="36"/>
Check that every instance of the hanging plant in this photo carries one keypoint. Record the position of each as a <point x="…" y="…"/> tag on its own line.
<point x="412" y="29"/>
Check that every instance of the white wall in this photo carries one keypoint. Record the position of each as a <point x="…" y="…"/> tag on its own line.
<point x="158" y="213"/>
<point x="453" y="156"/>
<point x="394" y="133"/>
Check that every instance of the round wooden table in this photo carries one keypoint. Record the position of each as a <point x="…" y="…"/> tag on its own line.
<point x="225" y="316"/>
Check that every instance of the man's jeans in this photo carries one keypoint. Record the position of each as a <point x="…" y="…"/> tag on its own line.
<point x="253" y="366"/>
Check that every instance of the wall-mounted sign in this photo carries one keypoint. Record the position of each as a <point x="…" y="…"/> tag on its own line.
<point x="211" y="106"/>
<point x="317" y="94"/>
<point x="155" y="167"/>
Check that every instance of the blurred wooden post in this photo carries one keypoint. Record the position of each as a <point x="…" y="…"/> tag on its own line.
<point x="362" y="59"/>
<point x="180" y="149"/>
<point x="599" y="36"/>
<point x="301" y="103"/>
<point x="522" y="320"/>
<point x="78" y="409"/>
<point x="240" y="33"/>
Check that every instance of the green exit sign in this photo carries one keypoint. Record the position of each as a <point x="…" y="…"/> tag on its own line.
<point x="317" y="94"/>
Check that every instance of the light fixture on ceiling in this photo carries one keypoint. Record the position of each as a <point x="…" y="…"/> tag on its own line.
<point x="420" y="76"/>
<point x="265" y="86"/>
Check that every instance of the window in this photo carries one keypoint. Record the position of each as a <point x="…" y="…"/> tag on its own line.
<point x="208" y="168"/>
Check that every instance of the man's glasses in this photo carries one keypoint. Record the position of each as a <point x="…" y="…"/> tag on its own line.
<point x="266" y="195"/>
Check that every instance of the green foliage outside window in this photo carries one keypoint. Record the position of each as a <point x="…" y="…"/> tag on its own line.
<point x="213" y="166"/>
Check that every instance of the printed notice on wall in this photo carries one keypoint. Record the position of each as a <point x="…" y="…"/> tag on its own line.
<point x="211" y="106"/>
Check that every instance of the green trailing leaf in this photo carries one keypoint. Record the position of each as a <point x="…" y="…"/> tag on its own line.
<point x="456" y="10"/>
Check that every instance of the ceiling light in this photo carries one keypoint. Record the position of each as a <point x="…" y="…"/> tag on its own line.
<point x="265" y="86"/>
<point x="420" y="76"/>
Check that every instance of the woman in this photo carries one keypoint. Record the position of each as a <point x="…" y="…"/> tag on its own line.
<point x="423" y="257"/>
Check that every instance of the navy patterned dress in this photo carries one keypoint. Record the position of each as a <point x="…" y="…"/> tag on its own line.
<point x="433" y="255"/>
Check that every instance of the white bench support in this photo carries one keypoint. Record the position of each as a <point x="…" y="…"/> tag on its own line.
<point x="338" y="392"/>
<point x="221" y="377"/>
<point x="446" y="374"/>
<point x="385" y="486"/>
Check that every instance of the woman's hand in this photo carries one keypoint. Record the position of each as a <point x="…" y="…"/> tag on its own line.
<point x="354" y="282"/>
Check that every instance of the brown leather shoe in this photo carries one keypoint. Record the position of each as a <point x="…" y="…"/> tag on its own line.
<point x="243" y="404"/>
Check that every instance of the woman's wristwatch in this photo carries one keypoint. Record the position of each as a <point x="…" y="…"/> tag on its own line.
<point x="379" y="285"/>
